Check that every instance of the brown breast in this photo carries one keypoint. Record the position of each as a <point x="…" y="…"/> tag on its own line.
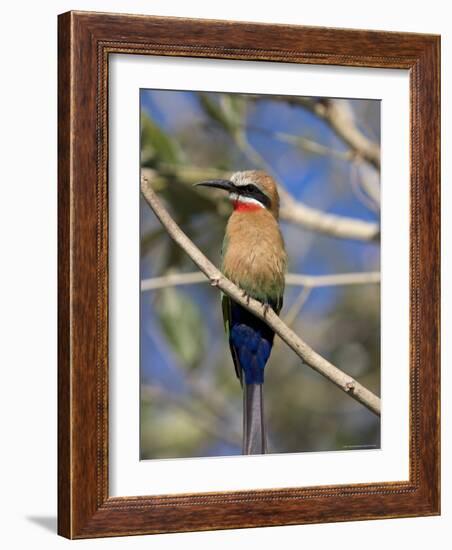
<point x="254" y="256"/>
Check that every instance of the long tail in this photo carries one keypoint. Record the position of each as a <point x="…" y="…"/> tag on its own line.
<point x="254" y="442"/>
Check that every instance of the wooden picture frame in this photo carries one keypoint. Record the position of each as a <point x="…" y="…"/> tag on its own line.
<point x="85" y="42"/>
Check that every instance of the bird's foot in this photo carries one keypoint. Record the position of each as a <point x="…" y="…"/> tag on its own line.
<point x="214" y="281"/>
<point x="246" y="296"/>
<point x="266" y="308"/>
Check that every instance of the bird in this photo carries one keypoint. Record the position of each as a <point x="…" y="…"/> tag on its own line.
<point x="255" y="259"/>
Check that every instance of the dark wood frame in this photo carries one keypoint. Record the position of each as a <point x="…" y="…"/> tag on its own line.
<point x="85" y="42"/>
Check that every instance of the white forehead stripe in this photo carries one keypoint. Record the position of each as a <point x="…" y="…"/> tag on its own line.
<point x="241" y="178"/>
<point x="234" y="197"/>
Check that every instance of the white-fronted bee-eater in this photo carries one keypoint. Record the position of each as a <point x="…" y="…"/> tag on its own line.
<point x="254" y="258"/>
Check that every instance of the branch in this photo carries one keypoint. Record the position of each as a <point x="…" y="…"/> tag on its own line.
<point x="367" y="181"/>
<point x="172" y="279"/>
<point x="292" y="279"/>
<point x="340" y="120"/>
<point x="329" y="224"/>
<point x="336" y="279"/>
<point x="311" y="146"/>
<point x="302" y="142"/>
<point x="343" y="381"/>
<point x="297" y="306"/>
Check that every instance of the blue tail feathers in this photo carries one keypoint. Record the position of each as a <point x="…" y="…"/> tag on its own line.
<point x="252" y="341"/>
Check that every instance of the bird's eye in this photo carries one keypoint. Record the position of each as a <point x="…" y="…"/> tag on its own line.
<point x="250" y="188"/>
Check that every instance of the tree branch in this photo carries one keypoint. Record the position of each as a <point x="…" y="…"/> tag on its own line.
<point x="335" y="279"/>
<point x="297" y="306"/>
<point x="343" y="381"/>
<point x="302" y="142"/>
<point x="329" y="224"/>
<point x="340" y="120"/>
<point x="292" y="279"/>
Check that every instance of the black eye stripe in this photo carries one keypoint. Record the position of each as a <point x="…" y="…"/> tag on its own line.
<point x="254" y="192"/>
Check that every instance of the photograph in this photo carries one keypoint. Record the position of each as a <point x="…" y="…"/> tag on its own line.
<point x="282" y="194"/>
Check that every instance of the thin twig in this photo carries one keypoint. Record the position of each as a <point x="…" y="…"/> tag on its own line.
<point x="297" y="306"/>
<point x="368" y="182"/>
<point x="358" y="187"/>
<point x="292" y="279"/>
<point x="302" y="142"/>
<point x="342" y="380"/>
<point x="173" y="279"/>
<point x="340" y="120"/>
<point x="334" y="279"/>
<point x="311" y="146"/>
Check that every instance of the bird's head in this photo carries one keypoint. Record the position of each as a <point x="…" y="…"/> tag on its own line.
<point x="250" y="190"/>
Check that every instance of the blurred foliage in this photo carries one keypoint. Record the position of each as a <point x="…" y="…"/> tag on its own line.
<point x="182" y="325"/>
<point x="191" y="400"/>
<point x="156" y="146"/>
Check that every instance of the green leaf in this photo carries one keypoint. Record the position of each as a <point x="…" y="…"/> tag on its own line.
<point x="156" y="145"/>
<point x="182" y="325"/>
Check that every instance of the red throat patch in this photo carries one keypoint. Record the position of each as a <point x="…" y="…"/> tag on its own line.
<point x="240" y="206"/>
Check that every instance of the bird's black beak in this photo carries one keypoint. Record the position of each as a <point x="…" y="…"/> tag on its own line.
<point x="218" y="184"/>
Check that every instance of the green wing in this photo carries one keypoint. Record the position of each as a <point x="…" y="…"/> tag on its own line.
<point x="226" y="307"/>
<point x="278" y="303"/>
